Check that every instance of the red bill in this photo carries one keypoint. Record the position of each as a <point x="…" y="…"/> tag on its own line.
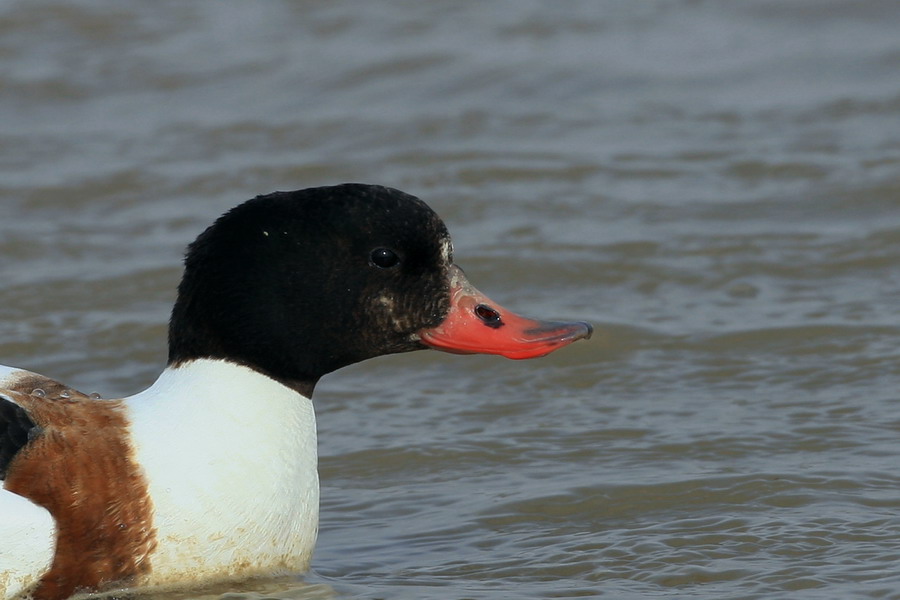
<point x="478" y="325"/>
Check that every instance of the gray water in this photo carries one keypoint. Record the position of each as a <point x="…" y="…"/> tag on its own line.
<point x="715" y="185"/>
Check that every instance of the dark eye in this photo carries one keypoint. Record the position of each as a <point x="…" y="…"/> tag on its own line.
<point x="384" y="258"/>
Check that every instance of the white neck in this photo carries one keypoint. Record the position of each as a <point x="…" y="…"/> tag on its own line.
<point x="230" y="457"/>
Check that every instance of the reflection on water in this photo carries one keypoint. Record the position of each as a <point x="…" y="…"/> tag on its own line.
<point x="713" y="185"/>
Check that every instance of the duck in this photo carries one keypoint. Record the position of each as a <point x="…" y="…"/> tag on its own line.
<point x="210" y="474"/>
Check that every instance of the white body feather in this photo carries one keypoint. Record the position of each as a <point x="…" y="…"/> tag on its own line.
<point x="26" y="543"/>
<point x="230" y="458"/>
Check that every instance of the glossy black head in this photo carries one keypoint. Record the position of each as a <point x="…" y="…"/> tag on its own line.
<point x="298" y="284"/>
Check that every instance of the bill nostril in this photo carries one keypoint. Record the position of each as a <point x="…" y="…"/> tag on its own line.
<point x="488" y="315"/>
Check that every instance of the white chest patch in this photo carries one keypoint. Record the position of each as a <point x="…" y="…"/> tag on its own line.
<point x="230" y="459"/>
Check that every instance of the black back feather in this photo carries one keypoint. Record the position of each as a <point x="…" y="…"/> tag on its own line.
<point x="15" y="431"/>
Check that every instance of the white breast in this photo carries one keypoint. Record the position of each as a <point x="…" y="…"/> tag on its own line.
<point x="230" y="458"/>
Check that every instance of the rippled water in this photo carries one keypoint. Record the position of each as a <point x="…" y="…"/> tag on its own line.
<point x="716" y="185"/>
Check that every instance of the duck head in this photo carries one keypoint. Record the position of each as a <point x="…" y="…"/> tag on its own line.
<point x="298" y="284"/>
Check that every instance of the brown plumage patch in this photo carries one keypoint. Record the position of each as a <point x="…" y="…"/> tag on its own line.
<point x="80" y="468"/>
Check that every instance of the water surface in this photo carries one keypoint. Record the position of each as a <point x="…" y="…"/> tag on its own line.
<point x="714" y="185"/>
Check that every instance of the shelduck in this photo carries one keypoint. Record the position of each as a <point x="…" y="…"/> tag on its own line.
<point x="210" y="474"/>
